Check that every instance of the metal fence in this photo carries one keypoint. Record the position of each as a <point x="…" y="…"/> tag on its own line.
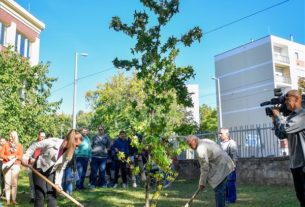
<point x="252" y="141"/>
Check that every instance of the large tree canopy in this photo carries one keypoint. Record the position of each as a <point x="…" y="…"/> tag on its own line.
<point x="24" y="92"/>
<point x="119" y="103"/>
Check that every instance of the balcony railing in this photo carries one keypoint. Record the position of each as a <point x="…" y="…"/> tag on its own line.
<point x="281" y="58"/>
<point x="283" y="79"/>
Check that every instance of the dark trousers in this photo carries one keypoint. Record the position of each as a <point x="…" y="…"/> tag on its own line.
<point x="299" y="184"/>
<point x="119" y="165"/>
<point x="1" y="179"/>
<point x="81" y="166"/>
<point x="44" y="190"/>
<point x="220" y="194"/>
<point x="231" y="187"/>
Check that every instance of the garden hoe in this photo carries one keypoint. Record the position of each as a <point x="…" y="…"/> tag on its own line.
<point x="56" y="187"/>
<point x="192" y="198"/>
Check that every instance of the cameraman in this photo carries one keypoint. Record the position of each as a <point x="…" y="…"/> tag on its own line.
<point x="293" y="128"/>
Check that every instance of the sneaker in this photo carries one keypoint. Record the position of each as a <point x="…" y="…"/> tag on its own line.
<point x="124" y="185"/>
<point x="166" y="185"/>
<point x="115" y="186"/>
<point x="134" y="185"/>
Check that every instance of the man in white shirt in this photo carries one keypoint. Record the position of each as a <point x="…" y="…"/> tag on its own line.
<point x="229" y="146"/>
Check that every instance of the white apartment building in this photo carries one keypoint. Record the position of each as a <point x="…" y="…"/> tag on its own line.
<point x="249" y="73"/>
<point x="193" y="90"/>
<point x="20" y="29"/>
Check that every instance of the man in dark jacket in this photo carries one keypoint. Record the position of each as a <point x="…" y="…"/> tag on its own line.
<point x="120" y="150"/>
<point x="293" y="128"/>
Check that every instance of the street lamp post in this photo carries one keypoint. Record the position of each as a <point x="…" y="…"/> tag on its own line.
<point x="219" y="103"/>
<point x="75" y="88"/>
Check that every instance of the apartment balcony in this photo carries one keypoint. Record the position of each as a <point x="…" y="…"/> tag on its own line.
<point x="283" y="79"/>
<point x="281" y="58"/>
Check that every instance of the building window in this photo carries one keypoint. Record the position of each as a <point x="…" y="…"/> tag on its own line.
<point x="277" y="49"/>
<point x="296" y="55"/>
<point x="2" y="28"/>
<point x="22" y="45"/>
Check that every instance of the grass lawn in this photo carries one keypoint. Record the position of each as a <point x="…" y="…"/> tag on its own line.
<point x="175" y="196"/>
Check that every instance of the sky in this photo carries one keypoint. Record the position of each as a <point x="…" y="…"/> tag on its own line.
<point x="83" y="26"/>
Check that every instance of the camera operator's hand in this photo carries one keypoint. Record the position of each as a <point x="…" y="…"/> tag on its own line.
<point x="276" y="112"/>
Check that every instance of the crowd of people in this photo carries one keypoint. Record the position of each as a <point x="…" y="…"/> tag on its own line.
<point x="64" y="161"/>
<point x="67" y="162"/>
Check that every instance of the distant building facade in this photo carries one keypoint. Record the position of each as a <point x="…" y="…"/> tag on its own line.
<point x="193" y="90"/>
<point x="249" y="73"/>
<point x="20" y="29"/>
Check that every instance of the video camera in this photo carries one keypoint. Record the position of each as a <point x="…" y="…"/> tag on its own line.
<point x="278" y="102"/>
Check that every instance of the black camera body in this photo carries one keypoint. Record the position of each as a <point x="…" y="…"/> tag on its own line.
<point x="278" y="102"/>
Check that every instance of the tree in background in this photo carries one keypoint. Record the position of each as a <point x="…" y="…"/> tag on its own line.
<point x="301" y="84"/>
<point x="112" y="103"/>
<point x="208" y="119"/>
<point x="163" y="84"/>
<point x="24" y="93"/>
<point x="113" y="106"/>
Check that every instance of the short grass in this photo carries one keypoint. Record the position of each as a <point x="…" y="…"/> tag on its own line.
<point x="176" y="195"/>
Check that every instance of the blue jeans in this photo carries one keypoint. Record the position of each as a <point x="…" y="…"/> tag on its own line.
<point x="231" y="187"/>
<point x="67" y="180"/>
<point x="98" y="166"/>
<point x="220" y="194"/>
<point x="81" y="166"/>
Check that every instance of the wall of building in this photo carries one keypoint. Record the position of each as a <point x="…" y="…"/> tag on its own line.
<point x="246" y="80"/>
<point x="248" y="76"/>
<point x="18" y="21"/>
<point x="193" y="89"/>
<point x="259" y="171"/>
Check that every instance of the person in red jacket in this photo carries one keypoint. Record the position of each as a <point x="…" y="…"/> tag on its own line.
<point x="11" y="154"/>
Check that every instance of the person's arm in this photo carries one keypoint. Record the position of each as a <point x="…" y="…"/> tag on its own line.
<point x="90" y="148"/>
<point x="289" y="126"/>
<point x="30" y="151"/>
<point x="3" y="154"/>
<point x="19" y="152"/>
<point x="204" y="166"/>
<point x="233" y="151"/>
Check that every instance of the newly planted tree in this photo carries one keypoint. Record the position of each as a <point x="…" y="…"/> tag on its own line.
<point x="164" y="83"/>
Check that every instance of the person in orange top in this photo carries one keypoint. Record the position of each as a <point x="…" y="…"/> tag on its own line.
<point x="12" y="150"/>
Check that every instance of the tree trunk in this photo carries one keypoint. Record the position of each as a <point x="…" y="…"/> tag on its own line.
<point x="147" y="188"/>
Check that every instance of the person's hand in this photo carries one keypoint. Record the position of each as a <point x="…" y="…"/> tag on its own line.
<point x="11" y="157"/>
<point x="59" y="188"/>
<point x="276" y="112"/>
<point x="200" y="187"/>
<point x="31" y="161"/>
